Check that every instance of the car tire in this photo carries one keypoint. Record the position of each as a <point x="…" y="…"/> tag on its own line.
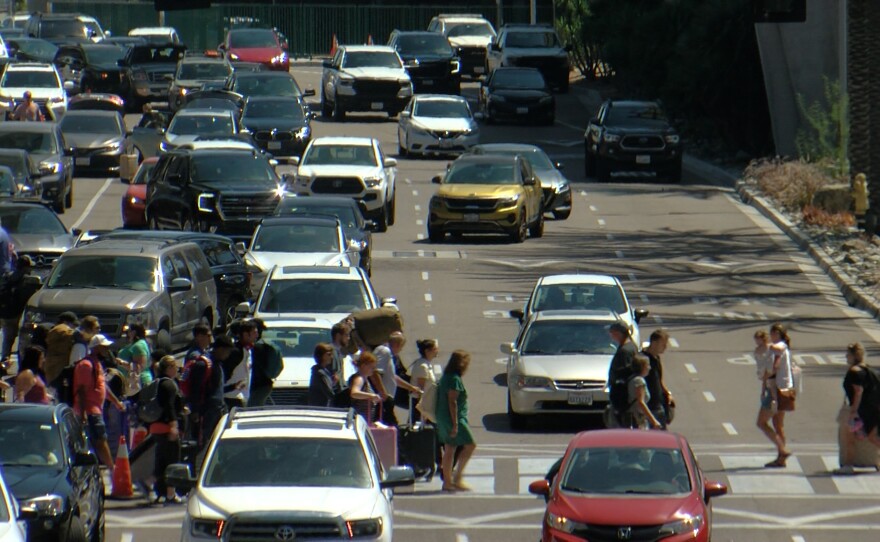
<point x="517" y="421"/>
<point x="338" y="112"/>
<point x="536" y="230"/>
<point x="435" y="235"/>
<point x="75" y="530"/>
<point x="561" y="215"/>
<point x="326" y="110"/>
<point x="382" y="221"/>
<point x="228" y="314"/>
<point x="186" y="224"/>
<point x="401" y="151"/>
<point x="589" y="161"/>
<point x="163" y="340"/>
<point x="603" y="170"/>
<point x="519" y="233"/>
<point x="58" y="204"/>
<point x="68" y="199"/>
<point x="392" y="210"/>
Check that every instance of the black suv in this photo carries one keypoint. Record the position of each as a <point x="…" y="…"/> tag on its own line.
<point x="532" y="46"/>
<point x="58" y="28"/>
<point x="47" y="464"/>
<point x="46" y="145"/>
<point x="93" y="67"/>
<point x="147" y="71"/>
<point x="223" y="189"/>
<point x="429" y="60"/>
<point x="632" y="135"/>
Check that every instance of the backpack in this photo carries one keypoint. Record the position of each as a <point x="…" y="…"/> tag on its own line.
<point x="149" y="408"/>
<point x="65" y="384"/>
<point x="342" y="398"/>
<point x="428" y="403"/>
<point x="618" y="392"/>
<point x="872" y="387"/>
<point x="185" y="382"/>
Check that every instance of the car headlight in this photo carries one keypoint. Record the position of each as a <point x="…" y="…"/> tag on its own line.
<point x="206" y="203"/>
<point x="164" y="146"/>
<point x="406" y="89"/>
<point x="302" y="180"/>
<point x="279" y="59"/>
<point x="22" y="187"/>
<point x="134" y="200"/>
<point x="610" y="138"/>
<point x="560" y="523"/>
<point x="687" y="525"/>
<point x="207" y="528"/>
<point x="437" y="202"/>
<point x="139" y="76"/>
<point x="372" y="182"/>
<point x="364" y="528"/>
<point x="455" y="66"/>
<point x="113" y="147"/>
<point x="509" y="201"/>
<point x="346" y="82"/>
<point x="233" y="56"/>
<point x="563" y="187"/>
<point x="672" y="139"/>
<point x="55" y="167"/>
<point x="47" y="505"/>
<point x="533" y="382"/>
<point x="304" y="132"/>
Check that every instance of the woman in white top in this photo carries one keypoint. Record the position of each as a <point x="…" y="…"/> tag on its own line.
<point x="639" y="396"/>
<point x="764" y="362"/>
<point x="781" y="379"/>
<point x="422" y="369"/>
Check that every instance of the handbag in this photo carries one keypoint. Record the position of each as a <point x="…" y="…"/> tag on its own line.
<point x="427" y="405"/>
<point x="786" y="400"/>
<point x="401" y="395"/>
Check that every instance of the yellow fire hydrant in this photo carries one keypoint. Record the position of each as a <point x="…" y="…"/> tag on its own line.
<point x="860" y="195"/>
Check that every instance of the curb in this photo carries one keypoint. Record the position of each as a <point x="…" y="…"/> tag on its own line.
<point x="854" y="294"/>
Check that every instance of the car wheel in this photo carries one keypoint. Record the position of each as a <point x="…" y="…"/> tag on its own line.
<point x="561" y="215"/>
<point x="75" y="531"/>
<point x="392" y="211"/>
<point x="163" y="340"/>
<point x="326" y="110"/>
<point x="589" y="161"/>
<point x="228" y="313"/>
<point x="58" y="204"/>
<point x="68" y="199"/>
<point x="603" y="170"/>
<point x="382" y="222"/>
<point x="517" y="421"/>
<point x="537" y="229"/>
<point x="186" y="224"/>
<point x="435" y="235"/>
<point x="520" y="231"/>
<point x="338" y="112"/>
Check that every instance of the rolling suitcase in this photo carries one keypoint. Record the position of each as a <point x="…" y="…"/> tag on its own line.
<point x="864" y="453"/>
<point x="418" y="446"/>
<point x="385" y="439"/>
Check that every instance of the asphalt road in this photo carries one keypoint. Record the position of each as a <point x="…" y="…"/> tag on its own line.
<point x="710" y="269"/>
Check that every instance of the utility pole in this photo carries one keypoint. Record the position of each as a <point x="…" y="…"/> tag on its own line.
<point x="499" y="13"/>
<point x="533" y="11"/>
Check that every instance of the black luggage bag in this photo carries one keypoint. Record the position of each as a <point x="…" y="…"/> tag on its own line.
<point x="417" y="446"/>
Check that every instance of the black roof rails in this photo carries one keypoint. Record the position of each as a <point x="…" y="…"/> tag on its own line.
<point x="274" y="411"/>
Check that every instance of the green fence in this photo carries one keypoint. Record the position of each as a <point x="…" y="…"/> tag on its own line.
<point x="309" y="27"/>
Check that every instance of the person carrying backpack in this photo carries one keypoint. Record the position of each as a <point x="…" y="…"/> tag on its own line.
<point x="90" y="392"/>
<point x="166" y="429"/>
<point x="619" y="373"/>
<point x="59" y="341"/>
<point x="862" y="386"/>
<point x="194" y="380"/>
<point x="266" y="363"/>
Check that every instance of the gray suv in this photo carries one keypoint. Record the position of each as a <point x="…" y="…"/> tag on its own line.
<point x="166" y="286"/>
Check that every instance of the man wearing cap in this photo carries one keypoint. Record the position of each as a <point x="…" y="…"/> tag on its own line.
<point x="89" y="395"/>
<point x="28" y="110"/>
<point x="20" y="285"/>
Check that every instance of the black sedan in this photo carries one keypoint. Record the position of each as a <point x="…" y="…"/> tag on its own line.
<point x="280" y="126"/>
<point x="350" y="215"/>
<point x="97" y="138"/>
<point x="266" y="83"/>
<point x="96" y="66"/>
<point x="25" y="173"/>
<point x="517" y="94"/>
<point x="47" y="464"/>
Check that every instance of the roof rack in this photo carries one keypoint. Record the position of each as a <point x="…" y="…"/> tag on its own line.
<point x="470" y="15"/>
<point x="237" y="413"/>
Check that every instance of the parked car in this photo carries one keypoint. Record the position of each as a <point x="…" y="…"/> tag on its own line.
<point x="193" y="73"/>
<point x="46" y="145"/>
<point x="36" y="231"/>
<point x="364" y="78"/>
<point x="620" y="484"/>
<point x="632" y="135"/>
<point x="97" y="139"/>
<point x="135" y="198"/>
<point x="146" y="72"/>
<point x="469" y="34"/>
<point x="532" y="46"/>
<point x="48" y="466"/>
<point x="437" y="125"/>
<point x="519" y="95"/>
<point x="13" y="526"/>
<point x="191" y="124"/>
<point x="256" y="45"/>
<point x="280" y="126"/>
<point x="429" y="60"/>
<point x="487" y="194"/>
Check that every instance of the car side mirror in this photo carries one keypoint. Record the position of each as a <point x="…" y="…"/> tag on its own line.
<point x="242" y="309"/>
<point x="390" y="162"/>
<point x="518" y="314"/>
<point x="221" y="47"/>
<point x="387" y="301"/>
<point x="405" y="114"/>
<point x="507" y="348"/>
<point x="25" y="513"/>
<point x="714" y="489"/>
<point x="309" y="92"/>
<point x="538" y="487"/>
<point x="397" y="477"/>
<point x="68" y="86"/>
<point x="180" y="284"/>
<point x="180" y="475"/>
<point x="639" y="314"/>
<point x="530" y="181"/>
<point x="76" y="231"/>
<point x="436" y="179"/>
<point x="240" y="247"/>
<point x="293" y="161"/>
<point x="559" y="165"/>
<point x="274" y="162"/>
<point x="327" y="63"/>
<point x="85" y="459"/>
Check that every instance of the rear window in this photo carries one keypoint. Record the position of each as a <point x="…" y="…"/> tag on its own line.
<point x="28" y="141"/>
<point x="97" y="272"/>
<point x="314" y="296"/>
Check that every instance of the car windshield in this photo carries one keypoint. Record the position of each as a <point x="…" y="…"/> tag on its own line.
<point x="531" y="39"/>
<point x="28" y="141"/>
<point x="30" y="79"/>
<point x="5" y="512"/>
<point x="219" y="252"/>
<point x="37" y="48"/>
<point x="145" y="54"/>
<point x="621" y="471"/>
<point x="373" y="59"/>
<point x="16" y="163"/>
<point x="63" y="28"/>
<point x="481" y="173"/>
<point x="244" y="168"/>
<point x="29" y="219"/>
<point x="346" y="214"/>
<point x="123" y="272"/>
<point x="455" y="109"/>
<point x="426" y="44"/>
<point x="295" y="238"/>
<point x="556" y="337"/>
<point x="350" y="155"/>
<point x="252" y="38"/>
<point x="283" y="109"/>
<point x="26" y="443"/>
<point x="457" y="30"/>
<point x="204" y="71"/>
<point x="266" y="85"/>
<point x="314" y="296"/>
<point x="296" y="342"/>
<point x="211" y="103"/>
<point x="518" y="79"/>
<point x="599" y="297"/>
<point x="90" y="124"/>
<point x="288" y="462"/>
<point x="143" y="173"/>
<point x="635" y="115"/>
<point x="203" y="125"/>
<point x="104" y="55"/>
<point x="7" y="181"/>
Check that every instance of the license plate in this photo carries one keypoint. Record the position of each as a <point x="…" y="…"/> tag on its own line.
<point x="580" y="398"/>
<point x="83" y="161"/>
<point x="377" y="106"/>
<point x="445" y="143"/>
<point x="471" y="217"/>
<point x="522" y="110"/>
<point x="429" y="82"/>
<point x="479" y="69"/>
<point x="274" y="145"/>
<point x="643" y="159"/>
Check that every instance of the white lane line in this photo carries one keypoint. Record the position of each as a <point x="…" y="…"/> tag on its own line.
<point x="428" y="298"/>
<point x="798" y="538"/>
<point x="689" y="367"/>
<point x="709" y="397"/>
<point x="431" y="319"/>
<point x="632" y="277"/>
<point x="92" y="203"/>
<point x="731" y="430"/>
<point x="425" y="275"/>
<point x="619" y="253"/>
<point x="571" y="126"/>
<point x="407" y="181"/>
<point x="593" y="208"/>
<point x="418" y="207"/>
<point x="461" y="537"/>
<point x="420" y="236"/>
<point x="601" y="222"/>
<point x="657" y="318"/>
<point x="415" y="192"/>
<point x="643" y="297"/>
<point x="126" y="537"/>
<point x="609" y="236"/>
<point x="420" y="222"/>
<point x="583" y="193"/>
<point x="673" y="343"/>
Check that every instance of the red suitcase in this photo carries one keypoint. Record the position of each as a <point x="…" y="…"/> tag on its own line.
<point x="385" y="439"/>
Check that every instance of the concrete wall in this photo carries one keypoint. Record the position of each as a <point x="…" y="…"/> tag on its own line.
<point x="794" y="58"/>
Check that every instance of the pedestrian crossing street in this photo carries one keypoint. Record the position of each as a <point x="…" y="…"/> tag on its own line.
<point x="743" y="472"/>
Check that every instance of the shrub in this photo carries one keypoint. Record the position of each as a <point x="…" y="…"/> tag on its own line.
<point x="836" y="222"/>
<point x="791" y="183"/>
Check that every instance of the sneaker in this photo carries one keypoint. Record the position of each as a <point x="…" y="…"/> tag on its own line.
<point x="173" y="500"/>
<point x="846" y="469"/>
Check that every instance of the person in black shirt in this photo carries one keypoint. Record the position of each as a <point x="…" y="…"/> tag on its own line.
<point x="266" y="365"/>
<point x="166" y="430"/>
<point x="324" y="383"/>
<point x="661" y="398"/>
<point x="621" y="368"/>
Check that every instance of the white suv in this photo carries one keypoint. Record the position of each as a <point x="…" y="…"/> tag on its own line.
<point x="44" y="82"/>
<point x="288" y="474"/>
<point x="354" y="167"/>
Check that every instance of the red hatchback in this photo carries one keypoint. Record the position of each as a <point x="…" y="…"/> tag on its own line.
<point x="260" y="45"/>
<point x="134" y="200"/>
<point x="624" y="484"/>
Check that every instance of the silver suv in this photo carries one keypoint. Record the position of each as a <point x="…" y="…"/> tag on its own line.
<point x="166" y="286"/>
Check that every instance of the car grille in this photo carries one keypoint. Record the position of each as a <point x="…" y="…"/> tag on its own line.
<point x="290" y="396"/>
<point x="273" y="135"/>
<point x="426" y="70"/>
<point x="42" y="259"/>
<point x="160" y="77"/>
<point x="247" y="207"/>
<point x="540" y="62"/>
<point x="475" y="205"/>
<point x="337" y="185"/>
<point x="371" y="87"/>
<point x="446" y="134"/>
<point x="252" y="530"/>
<point x="607" y="533"/>
<point x="580" y="384"/>
<point x="642" y="143"/>
<point x="111" y="323"/>
<point x="472" y="56"/>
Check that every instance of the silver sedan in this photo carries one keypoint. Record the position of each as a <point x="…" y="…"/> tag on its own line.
<point x="437" y="125"/>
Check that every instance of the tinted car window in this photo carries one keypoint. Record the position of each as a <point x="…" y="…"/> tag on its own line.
<point x="208" y="70"/>
<point x="218" y="253"/>
<point x="635" y="115"/>
<point x="442" y="109"/>
<point x="63" y="29"/>
<point x="31" y="220"/>
<point x="201" y="271"/>
<point x="30" y="79"/>
<point x="297" y="342"/>
<point x="346" y="214"/>
<point x="201" y="125"/>
<point x="125" y="272"/>
<point x="252" y="38"/>
<point x="517" y="79"/>
<point x="560" y="337"/>
<point x="363" y="59"/>
<point x="325" y="155"/>
<point x="29" y="443"/>
<point x="274" y="109"/>
<point x="532" y="39"/>
<point x="314" y="296"/>
<point x="424" y="43"/>
<point x="222" y="167"/>
<point x="180" y="265"/>
<point x="266" y="85"/>
<point x="296" y="238"/>
<point x="104" y="55"/>
<point x="653" y="471"/>
<point x="28" y="141"/>
<point x="482" y="174"/>
<point x="36" y="47"/>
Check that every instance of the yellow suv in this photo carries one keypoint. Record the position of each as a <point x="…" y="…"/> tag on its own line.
<point x="487" y="194"/>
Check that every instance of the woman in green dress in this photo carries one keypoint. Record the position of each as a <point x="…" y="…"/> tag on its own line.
<point x="452" y="424"/>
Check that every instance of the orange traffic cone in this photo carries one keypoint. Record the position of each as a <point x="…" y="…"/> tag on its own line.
<point x="369" y="39"/>
<point x="333" y="45"/>
<point x="139" y="435"/>
<point x="122" y="473"/>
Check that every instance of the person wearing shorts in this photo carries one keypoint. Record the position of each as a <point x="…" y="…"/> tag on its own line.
<point x="89" y="394"/>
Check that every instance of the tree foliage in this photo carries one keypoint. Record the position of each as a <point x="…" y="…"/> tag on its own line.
<point x="825" y="139"/>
